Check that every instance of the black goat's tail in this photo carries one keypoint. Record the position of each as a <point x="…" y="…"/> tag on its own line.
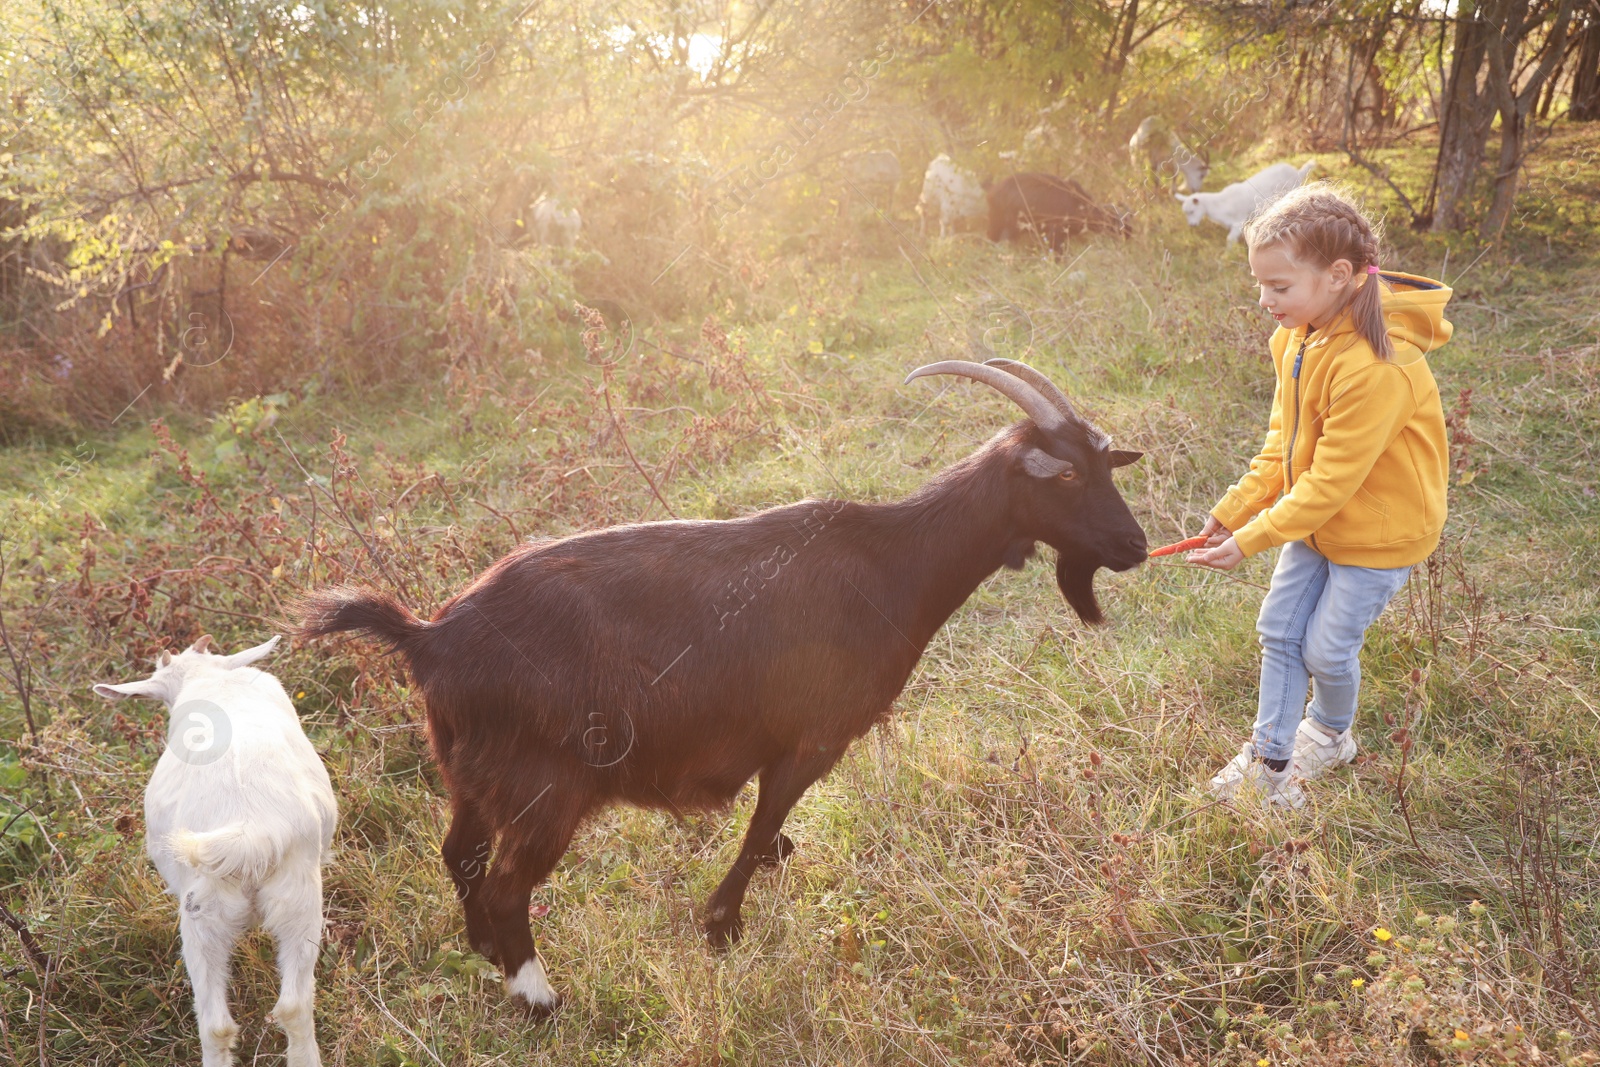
<point x="331" y="611"/>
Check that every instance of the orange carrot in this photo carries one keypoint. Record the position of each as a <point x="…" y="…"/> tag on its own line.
<point x="1182" y="546"/>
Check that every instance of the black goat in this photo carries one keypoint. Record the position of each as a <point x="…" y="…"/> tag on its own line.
<point x="1052" y="207"/>
<point x="665" y="664"/>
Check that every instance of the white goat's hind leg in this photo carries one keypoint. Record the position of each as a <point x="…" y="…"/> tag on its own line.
<point x="292" y="913"/>
<point x="210" y="926"/>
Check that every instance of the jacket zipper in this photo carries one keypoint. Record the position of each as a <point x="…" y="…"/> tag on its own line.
<point x="1295" y="433"/>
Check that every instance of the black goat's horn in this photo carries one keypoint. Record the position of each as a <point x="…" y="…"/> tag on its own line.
<point x="1044" y="414"/>
<point x="1044" y="385"/>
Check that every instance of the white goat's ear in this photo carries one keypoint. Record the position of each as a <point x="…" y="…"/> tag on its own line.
<point x="163" y="658"/>
<point x="1041" y="464"/>
<point x="250" y="655"/>
<point x="148" y="687"/>
<point x="1180" y="199"/>
<point x="203" y="644"/>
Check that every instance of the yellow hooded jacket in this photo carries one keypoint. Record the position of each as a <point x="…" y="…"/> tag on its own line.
<point x="1356" y="460"/>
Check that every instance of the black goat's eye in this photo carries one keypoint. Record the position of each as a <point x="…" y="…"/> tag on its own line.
<point x="1068" y="475"/>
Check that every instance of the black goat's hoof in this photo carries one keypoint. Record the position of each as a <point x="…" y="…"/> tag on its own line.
<point x="537" y="1013"/>
<point x="783" y="850"/>
<point x="723" y="934"/>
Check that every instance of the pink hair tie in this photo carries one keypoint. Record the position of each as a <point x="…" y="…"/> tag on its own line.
<point x="1373" y="269"/>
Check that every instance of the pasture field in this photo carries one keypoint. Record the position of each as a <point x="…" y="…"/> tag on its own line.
<point x="1023" y="866"/>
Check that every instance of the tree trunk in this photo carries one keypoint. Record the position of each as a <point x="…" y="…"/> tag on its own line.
<point x="1464" y="125"/>
<point x="1117" y="49"/>
<point x="1514" y="102"/>
<point x="1363" y="51"/>
<point x="1553" y="85"/>
<point x="1586" y="75"/>
<point x="1297" y="86"/>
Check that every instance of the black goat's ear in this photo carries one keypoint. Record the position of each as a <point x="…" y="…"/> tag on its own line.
<point x="1041" y="464"/>
<point x="1121" y="457"/>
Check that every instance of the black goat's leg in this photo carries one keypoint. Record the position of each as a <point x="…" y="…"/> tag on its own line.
<point x="466" y="856"/>
<point x="782" y="849"/>
<point x="782" y="785"/>
<point x="527" y="856"/>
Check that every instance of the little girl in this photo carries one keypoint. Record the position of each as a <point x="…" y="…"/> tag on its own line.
<point x="1350" y="480"/>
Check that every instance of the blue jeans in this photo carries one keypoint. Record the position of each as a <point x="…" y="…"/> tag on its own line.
<point x="1312" y="624"/>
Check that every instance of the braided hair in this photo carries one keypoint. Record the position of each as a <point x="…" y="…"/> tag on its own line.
<point x="1319" y="223"/>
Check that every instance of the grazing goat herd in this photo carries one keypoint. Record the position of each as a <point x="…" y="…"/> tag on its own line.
<point x="1053" y="208"/>
<point x="1050" y="207"/>
<point x="568" y="677"/>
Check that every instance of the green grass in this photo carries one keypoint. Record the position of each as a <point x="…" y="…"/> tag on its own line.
<point x="1023" y="865"/>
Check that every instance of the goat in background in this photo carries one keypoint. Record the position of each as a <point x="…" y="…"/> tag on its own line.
<point x="1161" y="158"/>
<point x="1051" y="207"/>
<point x="1233" y="205"/>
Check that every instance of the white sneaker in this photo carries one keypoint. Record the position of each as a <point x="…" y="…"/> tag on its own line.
<point x="1277" y="788"/>
<point x="1317" y="751"/>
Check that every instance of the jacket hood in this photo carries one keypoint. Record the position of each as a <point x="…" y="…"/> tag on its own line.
<point x="1414" y="309"/>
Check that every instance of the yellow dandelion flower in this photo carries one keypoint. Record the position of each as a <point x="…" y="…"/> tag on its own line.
<point x="300" y="695"/>
<point x="1263" y="1063"/>
<point x="1462" y="1035"/>
<point x="1357" y="983"/>
<point x="1381" y="934"/>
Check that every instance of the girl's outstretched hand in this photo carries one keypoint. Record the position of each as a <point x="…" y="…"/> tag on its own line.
<point x="1214" y="532"/>
<point x="1224" y="557"/>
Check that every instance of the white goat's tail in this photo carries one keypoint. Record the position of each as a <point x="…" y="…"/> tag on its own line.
<point x="236" y="853"/>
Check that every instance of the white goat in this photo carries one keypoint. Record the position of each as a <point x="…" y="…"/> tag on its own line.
<point x="1234" y="205"/>
<point x="950" y="194"/>
<point x="555" y="225"/>
<point x="239" y="819"/>
<point x="1157" y="151"/>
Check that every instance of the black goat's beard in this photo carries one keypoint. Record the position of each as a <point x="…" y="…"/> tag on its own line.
<point x="1076" y="582"/>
